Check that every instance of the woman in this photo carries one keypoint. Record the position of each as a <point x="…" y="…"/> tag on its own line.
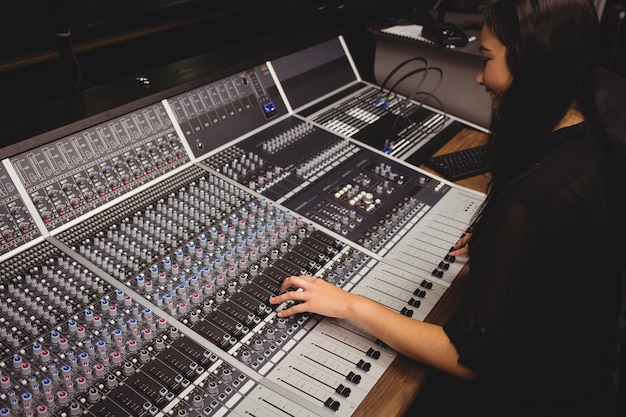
<point x="534" y="336"/>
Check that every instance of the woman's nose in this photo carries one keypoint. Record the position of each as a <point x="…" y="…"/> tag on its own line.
<point x="479" y="77"/>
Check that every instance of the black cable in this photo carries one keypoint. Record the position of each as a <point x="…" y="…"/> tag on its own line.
<point x="441" y="106"/>
<point x="411" y="97"/>
<point x="404" y="77"/>
<point x="378" y="100"/>
<point x="434" y="97"/>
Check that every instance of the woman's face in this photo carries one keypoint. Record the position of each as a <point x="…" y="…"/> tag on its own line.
<point x="494" y="74"/>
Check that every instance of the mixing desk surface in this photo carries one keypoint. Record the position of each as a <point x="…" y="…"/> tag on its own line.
<point x="139" y="255"/>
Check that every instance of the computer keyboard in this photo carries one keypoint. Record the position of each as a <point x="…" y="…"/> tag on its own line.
<point x="460" y="164"/>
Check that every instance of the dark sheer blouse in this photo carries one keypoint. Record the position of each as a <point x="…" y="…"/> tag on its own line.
<point x="539" y="317"/>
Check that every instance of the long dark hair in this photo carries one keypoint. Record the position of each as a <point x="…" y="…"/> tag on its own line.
<point x="551" y="53"/>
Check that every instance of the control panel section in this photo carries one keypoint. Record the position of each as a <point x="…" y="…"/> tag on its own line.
<point x="356" y="192"/>
<point x="368" y="196"/>
<point x="216" y="113"/>
<point x="76" y="174"/>
<point x="73" y="345"/>
<point x="16" y="223"/>
<point x="283" y="159"/>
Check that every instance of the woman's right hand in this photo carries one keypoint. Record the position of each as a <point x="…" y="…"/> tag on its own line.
<point x="313" y="295"/>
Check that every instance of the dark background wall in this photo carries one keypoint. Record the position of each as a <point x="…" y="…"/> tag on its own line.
<point x="62" y="60"/>
<point x="112" y="39"/>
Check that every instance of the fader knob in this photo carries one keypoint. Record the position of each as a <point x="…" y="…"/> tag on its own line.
<point x="246" y="357"/>
<point x="197" y="402"/>
<point x="75" y="409"/>
<point x="111" y="382"/>
<point x="42" y="411"/>
<point x="258" y="345"/>
<point x="81" y="383"/>
<point x="46" y="216"/>
<point x="227" y="375"/>
<point x="128" y="369"/>
<point x="93" y="395"/>
<point x="213" y="388"/>
<point x="62" y="397"/>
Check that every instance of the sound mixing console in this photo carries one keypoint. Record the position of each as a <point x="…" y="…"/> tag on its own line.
<point x="139" y="254"/>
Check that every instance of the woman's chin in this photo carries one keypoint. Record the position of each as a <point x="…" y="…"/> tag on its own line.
<point x="494" y="100"/>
